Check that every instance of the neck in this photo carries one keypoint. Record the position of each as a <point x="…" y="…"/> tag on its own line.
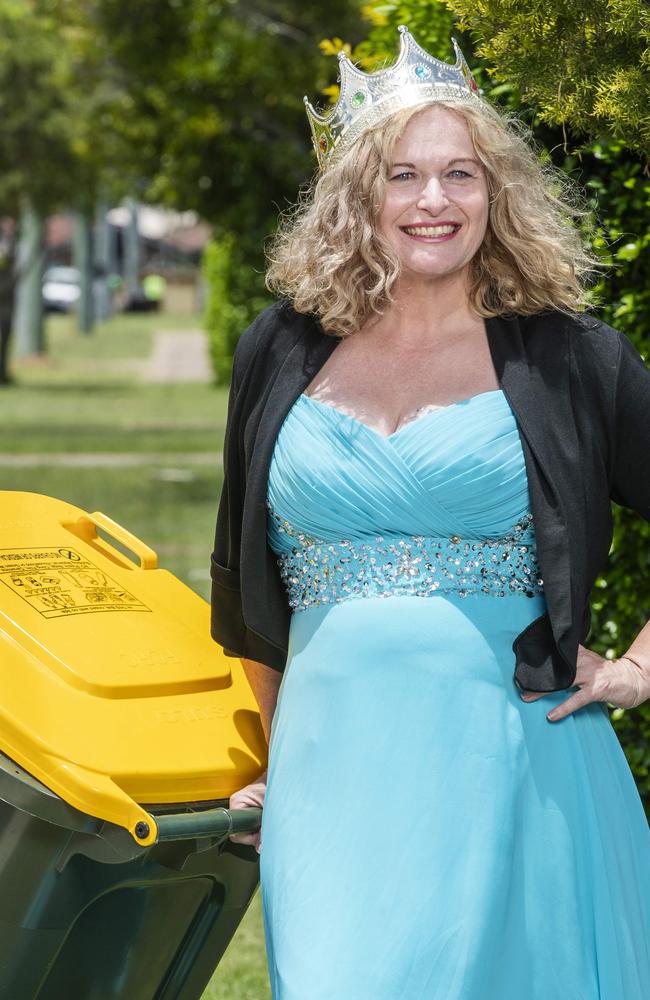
<point x="427" y="310"/>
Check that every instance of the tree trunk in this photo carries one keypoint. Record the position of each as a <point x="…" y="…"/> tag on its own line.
<point x="132" y="254"/>
<point x="7" y="292"/>
<point x="83" y="261"/>
<point x="29" y="292"/>
<point x="105" y="261"/>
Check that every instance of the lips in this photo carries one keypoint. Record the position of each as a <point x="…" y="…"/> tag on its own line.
<point x="432" y="230"/>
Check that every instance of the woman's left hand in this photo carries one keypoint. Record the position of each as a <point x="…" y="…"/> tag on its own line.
<point x="619" y="682"/>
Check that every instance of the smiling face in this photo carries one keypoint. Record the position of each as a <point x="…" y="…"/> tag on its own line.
<point x="435" y="209"/>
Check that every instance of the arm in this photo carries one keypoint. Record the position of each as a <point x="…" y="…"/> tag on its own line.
<point x="631" y="476"/>
<point x="625" y="681"/>
<point x="639" y="656"/>
<point x="265" y="683"/>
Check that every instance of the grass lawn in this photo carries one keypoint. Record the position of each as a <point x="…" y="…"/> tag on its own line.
<point x="86" y="399"/>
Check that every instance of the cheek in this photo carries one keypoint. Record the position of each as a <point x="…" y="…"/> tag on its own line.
<point x="381" y="218"/>
<point x="482" y="224"/>
<point x="479" y="213"/>
<point x="395" y="203"/>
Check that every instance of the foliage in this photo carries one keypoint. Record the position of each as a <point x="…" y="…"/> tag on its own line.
<point x="621" y="192"/>
<point x="618" y="193"/>
<point x="237" y="145"/>
<point x="36" y="109"/>
<point x="60" y="98"/>
<point x="582" y="65"/>
<point x="235" y="296"/>
<point x="196" y="104"/>
<point x="429" y="21"/>
<point x="220" y="84"/>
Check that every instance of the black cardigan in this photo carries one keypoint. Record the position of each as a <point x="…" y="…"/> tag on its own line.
<point x="580" y="393"/>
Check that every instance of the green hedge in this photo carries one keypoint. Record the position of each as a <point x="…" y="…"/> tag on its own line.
<point x="620" y="190"/>
<point x="236" y="294"/>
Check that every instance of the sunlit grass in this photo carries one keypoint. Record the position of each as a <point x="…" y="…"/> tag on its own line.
<point x="242" y="973"/>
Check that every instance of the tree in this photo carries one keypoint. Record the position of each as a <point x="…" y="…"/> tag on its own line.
<point x="582" y="64"/>
<point x="36" y="133"/>
<point x="220" y="86"/>
<point x="55" y="146"/>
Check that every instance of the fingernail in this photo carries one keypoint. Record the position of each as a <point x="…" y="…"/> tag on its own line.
<point x="551" y="717"/>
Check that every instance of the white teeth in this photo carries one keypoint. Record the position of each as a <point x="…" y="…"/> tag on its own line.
<point x="430" y="230"/>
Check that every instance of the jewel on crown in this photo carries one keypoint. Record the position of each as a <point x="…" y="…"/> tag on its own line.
<point x="367" y="98"/>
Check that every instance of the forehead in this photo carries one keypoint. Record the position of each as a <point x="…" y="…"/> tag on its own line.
<point x="434" y="134"/>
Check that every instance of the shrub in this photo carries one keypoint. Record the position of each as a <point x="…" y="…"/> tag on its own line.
<point x="235" y="295"/>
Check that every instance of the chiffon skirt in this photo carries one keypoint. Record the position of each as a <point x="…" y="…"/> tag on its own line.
<point x="427" y="835"/>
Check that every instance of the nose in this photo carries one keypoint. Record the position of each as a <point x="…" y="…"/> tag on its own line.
<point x="433" y="196"/>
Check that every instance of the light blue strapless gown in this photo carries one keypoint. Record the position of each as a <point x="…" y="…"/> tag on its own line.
<point x="426" y="834"/>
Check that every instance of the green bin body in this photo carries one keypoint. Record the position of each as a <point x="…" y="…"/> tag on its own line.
<point x="87" y="914"/>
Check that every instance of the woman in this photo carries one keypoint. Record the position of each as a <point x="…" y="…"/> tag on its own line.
<point x="435" y="436"/>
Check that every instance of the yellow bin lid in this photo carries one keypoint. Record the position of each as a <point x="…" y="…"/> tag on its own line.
<point x="114" y="695"/>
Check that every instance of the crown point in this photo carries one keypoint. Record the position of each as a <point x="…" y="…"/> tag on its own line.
<point x="363" y="102"/>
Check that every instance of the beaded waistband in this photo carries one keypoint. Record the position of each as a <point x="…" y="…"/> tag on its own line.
<point x="319" y="572"/>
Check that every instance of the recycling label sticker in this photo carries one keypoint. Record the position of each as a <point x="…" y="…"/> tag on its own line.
<point x="58" y="582"/>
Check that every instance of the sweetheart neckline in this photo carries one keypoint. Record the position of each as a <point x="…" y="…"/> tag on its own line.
<point x="417" y="420"/>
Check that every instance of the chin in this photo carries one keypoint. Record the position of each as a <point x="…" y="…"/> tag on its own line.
<point x="409" y="270"/>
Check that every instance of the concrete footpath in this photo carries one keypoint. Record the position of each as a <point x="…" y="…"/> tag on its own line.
<point x="178" y="357"/>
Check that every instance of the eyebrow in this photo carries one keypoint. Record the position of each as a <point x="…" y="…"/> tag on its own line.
<point x="458" y="159"/>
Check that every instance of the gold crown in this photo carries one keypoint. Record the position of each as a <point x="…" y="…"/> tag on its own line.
<point x="367" y="98"/>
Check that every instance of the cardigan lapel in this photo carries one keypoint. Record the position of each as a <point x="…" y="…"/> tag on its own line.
<point x="540" y="400"/>
<point x="307" y="356"/>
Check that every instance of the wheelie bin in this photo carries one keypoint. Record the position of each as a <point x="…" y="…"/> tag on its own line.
<point x="124" y="729"/>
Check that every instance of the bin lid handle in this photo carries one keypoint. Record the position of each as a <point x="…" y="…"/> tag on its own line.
<point x="147" y="557"/>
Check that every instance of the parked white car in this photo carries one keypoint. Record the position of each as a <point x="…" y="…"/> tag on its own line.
<point x="61" y="288"/>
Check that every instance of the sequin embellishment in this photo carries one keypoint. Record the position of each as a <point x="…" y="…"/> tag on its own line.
<point x="317" y="572"/>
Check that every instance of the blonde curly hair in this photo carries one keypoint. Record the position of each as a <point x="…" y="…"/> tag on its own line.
<point x="329" y="259"/>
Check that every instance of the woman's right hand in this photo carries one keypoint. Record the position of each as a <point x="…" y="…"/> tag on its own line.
<point x="247" y="797"/>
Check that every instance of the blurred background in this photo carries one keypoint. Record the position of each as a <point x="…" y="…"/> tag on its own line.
<point x="146" y="150"/>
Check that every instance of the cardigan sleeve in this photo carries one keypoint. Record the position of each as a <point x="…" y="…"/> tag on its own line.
<point x="227" y="625"/>
<point x="630" y="480"/>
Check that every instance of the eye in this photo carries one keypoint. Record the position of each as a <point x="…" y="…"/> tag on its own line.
<point x="459" y="174"/>
<point x="402" y="176"/>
